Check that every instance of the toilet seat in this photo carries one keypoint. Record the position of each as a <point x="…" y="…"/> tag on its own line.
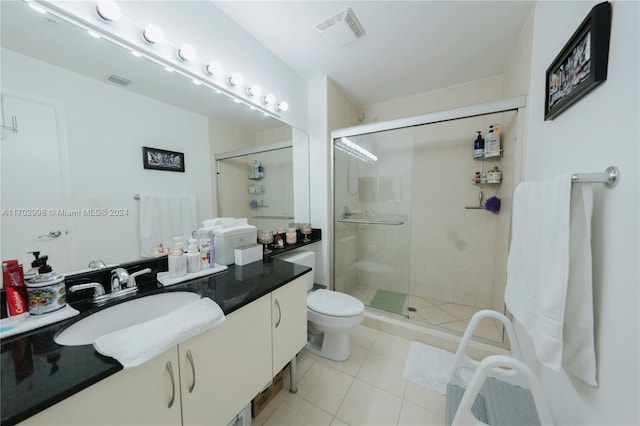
<point x="334" y="303"/>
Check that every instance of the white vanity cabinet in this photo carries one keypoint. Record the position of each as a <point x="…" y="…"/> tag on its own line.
<point x="144" y="395"/>
<point x="207" y="379"/>
<point x="289" y="322"/>
<point x="224" y="368"/>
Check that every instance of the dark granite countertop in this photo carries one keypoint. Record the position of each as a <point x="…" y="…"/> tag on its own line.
<point x="37" y="372"/>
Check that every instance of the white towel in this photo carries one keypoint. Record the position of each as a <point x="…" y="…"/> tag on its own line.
<point x="26" y="322"/>
<point x="549" y="287"/>
<point x="164" y="217"/>
<point x="135" y="345"/>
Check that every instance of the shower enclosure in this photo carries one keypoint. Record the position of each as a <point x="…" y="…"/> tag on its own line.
<point x="412" y="232"/>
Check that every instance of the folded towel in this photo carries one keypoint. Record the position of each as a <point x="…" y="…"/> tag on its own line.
<point x="19" y="324"/>
<point x="133" y="346"/>
<point x="549" y="273"/>
<point x="165" y="217"/>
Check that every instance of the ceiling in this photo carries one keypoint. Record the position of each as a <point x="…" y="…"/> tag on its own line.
<point x="409" y="46"/>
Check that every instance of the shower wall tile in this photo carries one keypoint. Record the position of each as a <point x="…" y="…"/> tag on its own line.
<point x="464" y="297"/>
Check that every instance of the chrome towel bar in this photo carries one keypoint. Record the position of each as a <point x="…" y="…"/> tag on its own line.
<point x="609" y="177"/>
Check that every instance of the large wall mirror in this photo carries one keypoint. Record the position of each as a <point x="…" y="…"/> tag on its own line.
<point x="84" y="109"/>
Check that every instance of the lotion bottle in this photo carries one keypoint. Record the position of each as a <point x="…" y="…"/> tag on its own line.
<point x="193" y="257"/>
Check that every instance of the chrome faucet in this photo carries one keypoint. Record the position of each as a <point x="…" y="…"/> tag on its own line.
<point x="97" y="264"/>
<point x="119" y="279"/>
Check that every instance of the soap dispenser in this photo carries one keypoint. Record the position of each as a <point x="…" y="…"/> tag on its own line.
<point x="46" y="291"/>
<point x="194" y="264"/>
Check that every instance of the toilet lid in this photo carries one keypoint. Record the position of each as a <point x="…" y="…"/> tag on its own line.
<point x="334" y="303"/>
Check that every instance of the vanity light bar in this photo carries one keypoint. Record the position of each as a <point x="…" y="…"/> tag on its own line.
<point x="100" y="25"/>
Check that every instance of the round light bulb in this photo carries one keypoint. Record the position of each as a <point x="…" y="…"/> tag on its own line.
<point x="282" y="106"/>
<point x="254" y="90"/>
<point x="187" y="52"/>
<point x="214" y="68"/>
<point x="236" y="80"/>
<point x="268" y="99"/>
<point x="108" y="10"/>
<point x="153" y="34"/>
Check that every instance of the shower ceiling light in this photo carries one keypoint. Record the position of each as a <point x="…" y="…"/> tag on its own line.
<point x="108" y="10"/>
<point x="355" y="150"/>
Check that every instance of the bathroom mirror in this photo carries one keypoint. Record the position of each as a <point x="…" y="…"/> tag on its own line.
<point x="92" y="106"/>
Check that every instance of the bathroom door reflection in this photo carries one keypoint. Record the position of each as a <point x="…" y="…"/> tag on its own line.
<point x="372" y="181"/>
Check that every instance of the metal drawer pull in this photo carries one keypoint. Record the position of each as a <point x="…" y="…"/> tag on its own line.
<point x="173" y="384"/>
<point x="279" y="313"/>
<point x="193" y="370"/>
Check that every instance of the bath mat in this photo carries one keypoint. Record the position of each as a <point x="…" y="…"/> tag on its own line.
<point x="390" y="301"/>
<point x="429" y="367"/>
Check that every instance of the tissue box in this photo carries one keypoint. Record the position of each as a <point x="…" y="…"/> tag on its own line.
<point x="248" y="254"/>
<point x="228" y="239"/>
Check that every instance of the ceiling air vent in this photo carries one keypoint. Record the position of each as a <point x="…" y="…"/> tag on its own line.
<point x="341" y="29"/>
<point x="118" y="80"/>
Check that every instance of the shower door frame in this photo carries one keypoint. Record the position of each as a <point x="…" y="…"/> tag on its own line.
<point x="516" y="103"/>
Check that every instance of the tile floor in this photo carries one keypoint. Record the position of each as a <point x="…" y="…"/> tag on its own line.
<point x="439" y="313"/>
<point x="367" y="389"/>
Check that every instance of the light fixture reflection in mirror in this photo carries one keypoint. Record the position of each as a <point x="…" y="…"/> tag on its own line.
<point x="108" y="11"/>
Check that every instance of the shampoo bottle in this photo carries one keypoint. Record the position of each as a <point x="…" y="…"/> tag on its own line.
<point x="478" y="146"/>
<point x="193" y="257"/>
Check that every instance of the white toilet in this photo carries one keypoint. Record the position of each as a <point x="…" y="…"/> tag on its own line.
<point x="330" y="314"/>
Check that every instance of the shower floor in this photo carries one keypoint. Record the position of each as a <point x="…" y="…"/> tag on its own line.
<point x="434" y="312"/>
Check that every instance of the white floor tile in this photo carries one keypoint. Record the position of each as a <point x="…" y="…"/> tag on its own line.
<point x="324" y="387"/>
<point x="368" y="405"/>
<point x="363" y="336"/>
<point x="412" y="414"/>
<point x="383" y="372"/>
<point x="295" y="410"/>
<point x="425" y="398"/>
<point x="391" y="346"/>
<point x="352" y="365"/>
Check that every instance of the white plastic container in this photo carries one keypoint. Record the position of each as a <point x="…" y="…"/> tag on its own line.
<point x="226" y="240"/>
<point x="193" y="257"/>
<point x="177" y="265"/>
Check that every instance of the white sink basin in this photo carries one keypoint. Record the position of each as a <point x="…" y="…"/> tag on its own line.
<point x="123" y="315"/>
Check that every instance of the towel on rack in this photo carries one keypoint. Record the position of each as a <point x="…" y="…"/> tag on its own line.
<point x="549" y="277"/>
<point x="164" y="217"/>
<point x="135" y="345"/>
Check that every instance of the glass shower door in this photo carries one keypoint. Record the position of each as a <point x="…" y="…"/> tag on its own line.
<point x="372" y="202"/>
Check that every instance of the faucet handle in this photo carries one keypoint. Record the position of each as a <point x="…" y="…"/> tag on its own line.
<point x="98" y="290"/>
<point x="119" y="279"/>
<point x="132" y="277"/>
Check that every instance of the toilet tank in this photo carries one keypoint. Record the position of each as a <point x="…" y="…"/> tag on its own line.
<point x="302" y="257"/>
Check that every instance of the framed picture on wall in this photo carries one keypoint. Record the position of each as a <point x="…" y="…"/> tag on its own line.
<point x="160" y="159"/>
<point x="582" y="63"/>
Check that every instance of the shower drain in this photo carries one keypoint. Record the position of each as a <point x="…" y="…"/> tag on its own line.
<point x="411" y="309"/>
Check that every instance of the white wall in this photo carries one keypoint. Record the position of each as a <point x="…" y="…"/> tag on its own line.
<point x="106" y="129"/>
<point x="598" y="131"/>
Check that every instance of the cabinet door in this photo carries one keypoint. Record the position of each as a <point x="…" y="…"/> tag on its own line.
<point x="289" y="321"/>
<point x="143" y="395"/>
<point x="223" y="369"/>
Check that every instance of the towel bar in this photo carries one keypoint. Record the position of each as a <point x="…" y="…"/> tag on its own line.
<point x="609" y="177"/>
